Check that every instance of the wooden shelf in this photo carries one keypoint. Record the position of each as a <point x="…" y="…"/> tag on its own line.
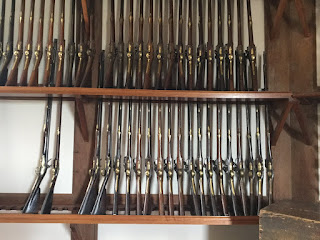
<point x="40" y="92"/>
<point x="122" y="219"/>
<point x="307" y="98"/>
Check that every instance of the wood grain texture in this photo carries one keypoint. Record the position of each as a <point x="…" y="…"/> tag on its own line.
<point x="290" y="220"/>
<point x="122" y="219"/>
<point x="67" y="92"/>
<point x="84" y="232"/>
<point x="303" y="77"/>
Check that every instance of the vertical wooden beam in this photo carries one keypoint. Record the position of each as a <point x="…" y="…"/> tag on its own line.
<point x="303" y="79"/>
<point x="278" y="72"/>
<point x="292" y="59"/>
<point x="84" y="232"/>
<point x="84" y="150"/>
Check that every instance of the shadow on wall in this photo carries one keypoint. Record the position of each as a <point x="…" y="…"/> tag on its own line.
<point x="233" y="232"/>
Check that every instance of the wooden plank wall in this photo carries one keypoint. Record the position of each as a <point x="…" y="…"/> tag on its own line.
<point x="292" y="67"/>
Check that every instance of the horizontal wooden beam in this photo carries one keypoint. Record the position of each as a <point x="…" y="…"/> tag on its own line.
<point x="121" y="219"/>
<point x="139" y="93"/>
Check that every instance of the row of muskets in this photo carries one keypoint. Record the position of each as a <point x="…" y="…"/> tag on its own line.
<point x="232" y="175"/>
<point x="140" y="63"/>
<point x="236" y="176"/>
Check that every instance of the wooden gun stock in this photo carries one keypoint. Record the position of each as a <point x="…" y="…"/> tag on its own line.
<point x="49" y="56"/>
<point x="87" y="80"/>
<point x="33" y="81"/>
<point x="9" y="48"/>
<point x="13" y="76"/>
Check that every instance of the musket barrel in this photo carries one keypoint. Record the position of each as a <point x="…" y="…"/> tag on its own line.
<point x="2" y="19"/>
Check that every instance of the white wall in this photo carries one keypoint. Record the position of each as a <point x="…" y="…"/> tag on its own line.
<point x="27" y="157"/>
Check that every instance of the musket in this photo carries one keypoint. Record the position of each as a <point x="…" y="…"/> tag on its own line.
<point x="269" y="158"/>
<point x="148" y="166"/>
<point x="137" y="164"/>
<point x="200" y="51"/>
<point x="160" y="50"/>
<point x="82" y="54"/>
<point x="8" y="53"/>
<point x="128" y="163"/>
<point x="220" y="51"/>
<point x="159" y="165"/>
<point x="229" y="50"/>
<point x="168" y="83"/>
<point x="86" y="80"/>
<point x="179" y="164"/>
<point x="191" y="166"/>
<point x="120" y="48"/>
<point x="210" y="166"/>
<point x="150" y="52"/>
<point x="259" y="161"/>
<point x="169" y="165"/>
<point x="47" y="204"/>
<point x="241" y="165"/>
<point x="93" y="186"/>
<point x="232" y="167"/>
<point x="53" y="62"/>
<point x="33" y="201"/>
<point x="130" y="49"/>
<point x="108" y="81"/>
<point x="200" y="164"/>
<point x="181" y="67"/>
<point x="210" y="51"/>
<point x="33" y="81"/>
<point x="140" y="49"/>
<point x="49" y="45"/>
<point x="32" y="204"/>
<point x="221" y="164"/>
<point x="240" y="75"/>
<point x="240" y="56"/>
<point x="28" y="48"/>
<point x="71" y="51"/>
<point x="13" y="76"/>
<point x="252" y="51"/>
<point x="100" y="207"/>
<point x="251" y="174"/>
<point x="190" y="77"/>
<point x="61" y="43"/>
<point x="2" y="19"/>
<point x="116" y="164"/>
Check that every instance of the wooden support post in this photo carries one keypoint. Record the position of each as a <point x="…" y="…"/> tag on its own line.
<point x="84" y="147"/>
<point x="80" y="114"/>
<point x="282" y="6"/>
<point x="281" y="123"/>
<point x="302" y="123"/>
<point x="84" y="231"/>
<point x="302" y="16"/>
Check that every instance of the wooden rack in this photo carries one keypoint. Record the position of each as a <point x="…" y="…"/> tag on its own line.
<point x="66" y="202"/>
<point x="293" y="181"/>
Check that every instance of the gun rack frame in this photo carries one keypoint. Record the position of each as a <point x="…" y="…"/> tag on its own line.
<point x="295" y="161"/>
